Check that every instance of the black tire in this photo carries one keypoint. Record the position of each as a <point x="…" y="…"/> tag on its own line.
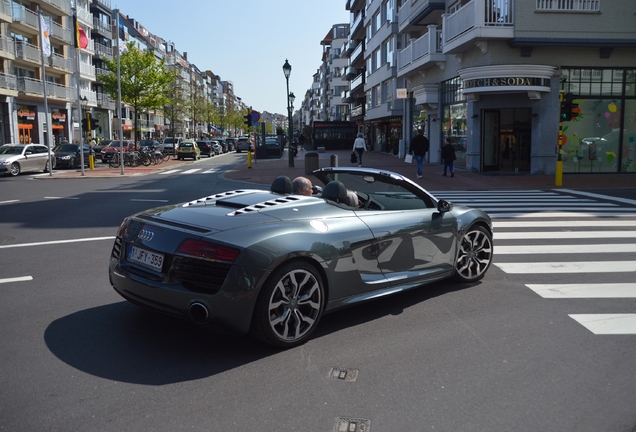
<point x="291" y="301"/>
<point x="475" y="255"/>
<point x="14" y="169"/>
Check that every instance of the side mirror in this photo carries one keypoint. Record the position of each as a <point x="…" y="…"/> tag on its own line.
<point x="444" y="206"/>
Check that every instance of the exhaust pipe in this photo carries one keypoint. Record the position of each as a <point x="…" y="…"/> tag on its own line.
<point x="199" y="312"/>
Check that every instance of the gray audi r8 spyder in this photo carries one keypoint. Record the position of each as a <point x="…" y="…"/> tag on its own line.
<point x="271" y="263"/>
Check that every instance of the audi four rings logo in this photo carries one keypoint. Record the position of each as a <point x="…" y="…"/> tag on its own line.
<point x="145" y="235"/>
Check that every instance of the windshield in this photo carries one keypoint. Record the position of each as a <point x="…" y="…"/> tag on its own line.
<point x="65" y="148"/>
<point x="11" y="150"/>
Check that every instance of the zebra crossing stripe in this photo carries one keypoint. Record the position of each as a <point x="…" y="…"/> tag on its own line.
<point x="169" y="172"/>
<point x="562" y="223"/>
<point x="564" y="214"/>
<point x="607" y="324"/>
<point x="523" y="235"/>
<point x="600" y="290"/>
<point x="191" y="171"/>
<point x="565" y="249"/>
<point x="568" y="267"/>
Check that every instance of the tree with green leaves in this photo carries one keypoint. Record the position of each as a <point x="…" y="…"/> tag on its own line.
<point x="145" y="81"/>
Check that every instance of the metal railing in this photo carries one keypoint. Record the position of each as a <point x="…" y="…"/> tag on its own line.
<point x="104" y="50"/>
<point x="26" y="51"/>
<point x="63" y="5"/>
<point x="101" y="26"/>
<point x="7" y="45"/>
<point x="61" y="62"/>
<point x="569" y="5"/>
<point x="8" y="81"/>
<point x="33" y="86"/>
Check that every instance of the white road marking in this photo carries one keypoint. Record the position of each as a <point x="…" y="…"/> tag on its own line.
<point x="564" y="214"/>
<point x="10" y="201"/>
<point x="148" y="200"/>
<point x="61" y="198"/>
<point x="565" y="249"/>
<point x="16" y="279"/>
<point x="56" y="242"/>
<point x="605" y="197"/>
<point x="607" y="324"/>
<point x="568" y="267"/>
<point x="169" y="172"/>
<point x="191" y="171"/>
<point x="523" y="235"/>
<point x="582" y="290"/>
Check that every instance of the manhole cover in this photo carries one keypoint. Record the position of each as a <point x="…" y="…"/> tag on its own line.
<point x="345" y="424"/>
<point x="343" y="374"/>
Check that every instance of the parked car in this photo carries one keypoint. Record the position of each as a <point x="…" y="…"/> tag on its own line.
<point x="223" y="144"/>
<point x="272" y="142"/>
<point x="269" y="263"/>
<point x="68" y="155"/>
<point x="205" y="147"/>
<point x="243" y="144"/>
<point x="17" y="158"/>
<point x="231" y="144"/>
<point x="112" y="148"/>
<point x="153" y="144"/>
<point x="97" y="148"/>
<point x="216" y="147"/>
<point x="169" y="145"/>
<point x="188" y="149"/>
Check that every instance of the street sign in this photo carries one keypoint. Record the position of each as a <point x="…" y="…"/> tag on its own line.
<point x="256" y="116"/>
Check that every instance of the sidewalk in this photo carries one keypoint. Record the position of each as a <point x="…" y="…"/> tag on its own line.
<point x="265" y="171"/>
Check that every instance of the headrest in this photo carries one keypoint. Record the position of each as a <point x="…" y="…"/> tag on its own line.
<point x="335" y="191"/>
<point x="281" y="185"/>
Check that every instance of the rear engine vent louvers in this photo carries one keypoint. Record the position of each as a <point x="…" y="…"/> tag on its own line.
<point x="263" y="205"/>
<point x="213" y="197"/>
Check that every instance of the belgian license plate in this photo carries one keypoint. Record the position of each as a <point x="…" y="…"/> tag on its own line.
<point x="145" y="258"/>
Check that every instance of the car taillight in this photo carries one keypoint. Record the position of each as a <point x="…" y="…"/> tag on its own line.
<point x="209" y="251"/>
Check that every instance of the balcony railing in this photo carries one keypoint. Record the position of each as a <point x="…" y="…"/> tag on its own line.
<point x="61" y="62"/>
<point x="7" y="45"/>
<point x="24" y="16"/>
<point x="104" y="50"/>
<point x="105" y="101"/>
<point x="101" y="26"/>
<point x="569" y="5"/>
<point x="27" y="51"/>
<point x="63" y="5"/>
<point x="85" y="16"/>
<point x="5" y="8"/>
<point x="105" y="3"/>
<point x="87" y="70"/>
<point x="357" y="81"/>
<point x="8" y="81"/>
<point x="478" y="19"/>
<point x="36" y="87"/>
<point x="62" y="33"/>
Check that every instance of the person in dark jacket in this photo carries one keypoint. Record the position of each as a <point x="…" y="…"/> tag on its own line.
<point x="448" y="156"/>
<point x="419" y="147"/>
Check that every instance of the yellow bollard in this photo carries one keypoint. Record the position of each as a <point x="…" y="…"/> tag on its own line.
<point x="91" y="161"/>
<point x="249" y="159"/>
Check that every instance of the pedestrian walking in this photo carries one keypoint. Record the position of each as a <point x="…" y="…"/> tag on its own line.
<point x="448" y="156"/>
<point x="419" y="147"/>
<point x="359" y="146"/>
<point x="301" y="141"/>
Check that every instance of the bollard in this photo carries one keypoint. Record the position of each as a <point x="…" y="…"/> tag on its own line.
<point x="249" y="158"/>
<point x="333" y="161"/>
<point x="91" y="161"/>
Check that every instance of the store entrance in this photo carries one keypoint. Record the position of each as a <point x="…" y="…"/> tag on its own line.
<point x="506" y="140"/>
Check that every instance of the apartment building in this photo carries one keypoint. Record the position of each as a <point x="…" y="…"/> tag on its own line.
<point x="490" y="74"/>
<point x="23" y="116"/>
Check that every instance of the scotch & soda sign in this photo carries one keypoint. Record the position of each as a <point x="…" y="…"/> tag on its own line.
<point x="507" y="82"/>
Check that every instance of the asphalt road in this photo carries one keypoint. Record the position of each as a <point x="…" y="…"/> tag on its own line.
<point x="494" y="356"/>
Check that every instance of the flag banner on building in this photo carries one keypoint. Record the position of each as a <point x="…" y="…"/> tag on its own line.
<point x="45" y="32"/>
<point x="81" y="40"/>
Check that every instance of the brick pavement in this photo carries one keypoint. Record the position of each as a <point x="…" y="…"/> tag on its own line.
<point x="265" y="171"/>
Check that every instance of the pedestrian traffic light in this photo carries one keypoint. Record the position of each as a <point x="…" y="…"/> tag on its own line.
<point x="568" y="108"/>
<point x="248" y="120"/>
<point x="85" y="125"/>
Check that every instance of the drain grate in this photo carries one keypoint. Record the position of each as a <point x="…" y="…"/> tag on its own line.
<point x="345" y="424"/>
<point x="343" y="374"/>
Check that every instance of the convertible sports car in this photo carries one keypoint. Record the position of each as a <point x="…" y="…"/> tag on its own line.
<point x="270" y="263"/>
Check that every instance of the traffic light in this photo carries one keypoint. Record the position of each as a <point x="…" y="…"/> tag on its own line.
<point x="85" y="124"/>
<point x="248" y="120"/>
<point x="569" y="109"/>
<point x="94" y="123"/>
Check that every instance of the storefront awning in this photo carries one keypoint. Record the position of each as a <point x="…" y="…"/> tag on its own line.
<point x="215" y="129"/>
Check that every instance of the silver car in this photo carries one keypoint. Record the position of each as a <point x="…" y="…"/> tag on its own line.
<point x="17" y="158"/>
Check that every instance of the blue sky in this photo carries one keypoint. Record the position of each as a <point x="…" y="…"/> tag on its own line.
<point x="246" y="41"/>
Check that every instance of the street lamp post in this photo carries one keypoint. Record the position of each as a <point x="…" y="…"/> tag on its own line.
<point x="287" y="71"/>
